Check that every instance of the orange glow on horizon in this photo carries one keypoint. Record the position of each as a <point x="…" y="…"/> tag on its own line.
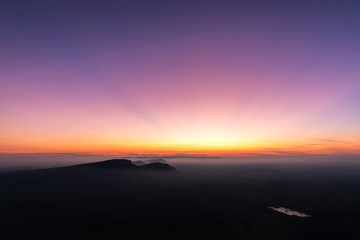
<point x="316" y="146"/>
<point x="182" y="82"/>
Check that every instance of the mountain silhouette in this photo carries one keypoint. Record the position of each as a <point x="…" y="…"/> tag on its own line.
<point x="113" y="163"/>
<point x="125" y="164"/>
<point x="139" y="163"/>
<point x="157" y="160"/>
<point x="158" y="166"/>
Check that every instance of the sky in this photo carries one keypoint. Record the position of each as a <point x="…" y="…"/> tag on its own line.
<point x="224" y="78"/>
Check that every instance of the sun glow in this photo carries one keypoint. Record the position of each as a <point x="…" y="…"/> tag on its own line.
<point x="208" y="85"/>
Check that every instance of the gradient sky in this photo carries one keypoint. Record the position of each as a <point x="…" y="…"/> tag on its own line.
<point x="206" y="77"/>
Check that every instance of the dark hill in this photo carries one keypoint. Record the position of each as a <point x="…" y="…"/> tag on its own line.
<point x="158" y="166"/>
<point x="112" y="164"/>
<point x="125" y="164"/>
<point x="157" y="160"/>
<point x="139" y="163"/>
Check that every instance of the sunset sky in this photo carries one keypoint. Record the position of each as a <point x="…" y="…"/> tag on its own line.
<point x="200" y="77"/>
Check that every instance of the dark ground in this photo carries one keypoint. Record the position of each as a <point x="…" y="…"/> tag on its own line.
<point x="197" y="202"/>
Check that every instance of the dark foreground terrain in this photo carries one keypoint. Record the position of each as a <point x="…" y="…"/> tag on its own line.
<point x="196" y="202"/>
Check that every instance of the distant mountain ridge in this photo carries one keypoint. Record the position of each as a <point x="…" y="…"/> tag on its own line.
<point x="112" y="163"/>
<point x="125" y="164"/>
<point x="157" y="166"/>
<point x="148" y="161"/>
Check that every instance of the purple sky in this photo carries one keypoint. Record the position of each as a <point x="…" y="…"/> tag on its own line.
<point x="222" y="77"/>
